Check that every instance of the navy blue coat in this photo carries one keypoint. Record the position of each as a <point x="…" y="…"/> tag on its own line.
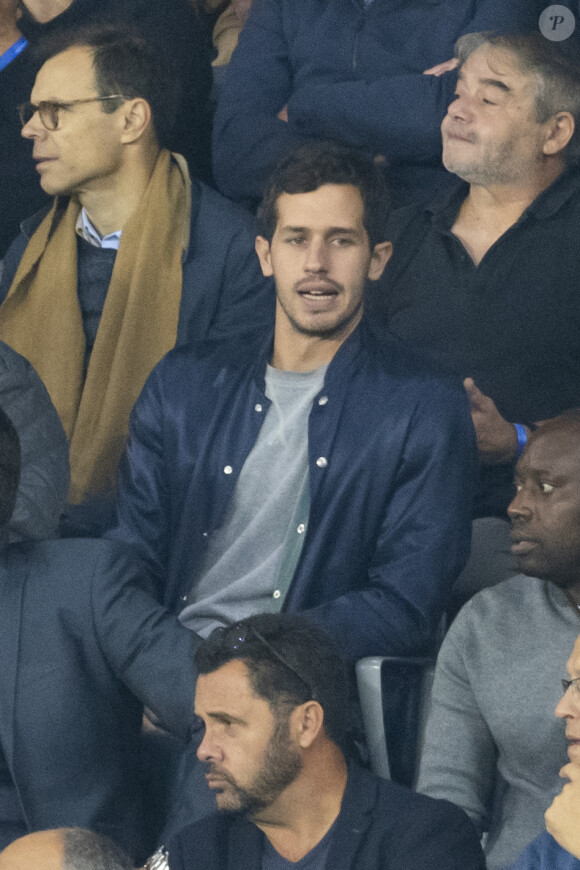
<point x="381" y="826"/>
<point x="391" y="461"/>
<point x="81" y="640"/>
<point x="350" y="73"/>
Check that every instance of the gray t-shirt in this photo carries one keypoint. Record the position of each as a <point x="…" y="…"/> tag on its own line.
<point x="251" y="558"/>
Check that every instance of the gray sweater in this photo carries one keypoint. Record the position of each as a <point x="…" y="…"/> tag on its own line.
<point x="493" y="745"/>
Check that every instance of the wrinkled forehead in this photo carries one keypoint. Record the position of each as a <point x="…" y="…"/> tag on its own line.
<point x="502" y="65"/>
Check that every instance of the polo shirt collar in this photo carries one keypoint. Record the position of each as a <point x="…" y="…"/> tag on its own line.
<point x="548" y="203"/>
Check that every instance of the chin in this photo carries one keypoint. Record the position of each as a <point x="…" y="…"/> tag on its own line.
<point x="53" y="189"/>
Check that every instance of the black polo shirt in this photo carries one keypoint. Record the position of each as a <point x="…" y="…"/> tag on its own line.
<point x="512" y="323"/>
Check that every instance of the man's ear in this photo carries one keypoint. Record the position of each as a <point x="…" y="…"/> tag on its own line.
<point x="264" y="255"/>
<point x="136" y="114"/>
<point x="380" y="256"/>
<point x="307" y="723"/>
<point x="560" y="129"/>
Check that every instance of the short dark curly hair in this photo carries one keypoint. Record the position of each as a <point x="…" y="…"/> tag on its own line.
<point x="317" y="163"/>
<point x="289" y="661"/>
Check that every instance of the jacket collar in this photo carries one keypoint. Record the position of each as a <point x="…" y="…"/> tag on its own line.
<point x="345" y="359"/>
<point x="245" y="839"/>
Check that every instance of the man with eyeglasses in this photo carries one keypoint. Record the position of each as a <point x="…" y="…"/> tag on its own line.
<point x="133" y="256"/>
<point x="492" y="745"/>
<point x="272" y="692"/>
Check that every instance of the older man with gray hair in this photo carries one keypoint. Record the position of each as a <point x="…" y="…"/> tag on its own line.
<point x="488" y="280"/>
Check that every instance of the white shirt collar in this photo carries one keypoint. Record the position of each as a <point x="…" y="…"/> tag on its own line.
<point x="87" y="231"/>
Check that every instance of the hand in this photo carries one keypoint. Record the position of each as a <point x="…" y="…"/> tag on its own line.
<point x="283" y="114"/>
<point x="441" y="68"/>
<point x="497" y="440"/>
<point x="563" y="816"/>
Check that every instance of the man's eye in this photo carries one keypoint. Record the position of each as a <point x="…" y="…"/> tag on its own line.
<point x="488" y="102"/>
<point x="341" y="242"/>
<point x="546" y="488"/>
<point x="295" y="240"/>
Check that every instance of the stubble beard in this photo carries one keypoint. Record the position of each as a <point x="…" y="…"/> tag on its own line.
<point x="325" y="332"/>
<point x="492" y="167"/>
<point x="281" y="765"/>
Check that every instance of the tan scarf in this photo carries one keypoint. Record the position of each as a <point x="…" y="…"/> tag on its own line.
<point x="41" y="319"/>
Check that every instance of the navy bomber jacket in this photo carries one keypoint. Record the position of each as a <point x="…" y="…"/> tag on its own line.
<point x="391" y="465"/>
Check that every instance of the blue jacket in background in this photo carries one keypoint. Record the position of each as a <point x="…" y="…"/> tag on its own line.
<point x="391" y="461"/>
<point x="351" y="73"/>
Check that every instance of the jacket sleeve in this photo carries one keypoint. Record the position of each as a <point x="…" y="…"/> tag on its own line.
<point x="397" y="116"/>
<point x="424" y="529"/>
<point x="249" y="139"/>
<point x="458" y="761"/>
<point x="143" y="504"/>
<point x="145" y="645"/>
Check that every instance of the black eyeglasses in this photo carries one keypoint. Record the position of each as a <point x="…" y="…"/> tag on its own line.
<point x="575" y="683"/>
<point x="239" y="633"/>
<point x="48" y="110"/>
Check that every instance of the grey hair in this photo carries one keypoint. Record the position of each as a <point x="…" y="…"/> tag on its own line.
<point x="85" y="850"/>
<point x="554" y="66"/>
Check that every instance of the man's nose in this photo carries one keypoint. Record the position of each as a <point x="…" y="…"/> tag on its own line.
<point x="34" y="128"/>
<point x="461" y="108"/>
<point x="565" y="708"/>
<point x="316" y="257"/>
<point x="519" y="507"/>
<point x="207" y="749"/>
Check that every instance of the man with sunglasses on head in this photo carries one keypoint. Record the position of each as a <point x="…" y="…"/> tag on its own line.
<point x="272" y="692"/>
<point x="133" y="256"/>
